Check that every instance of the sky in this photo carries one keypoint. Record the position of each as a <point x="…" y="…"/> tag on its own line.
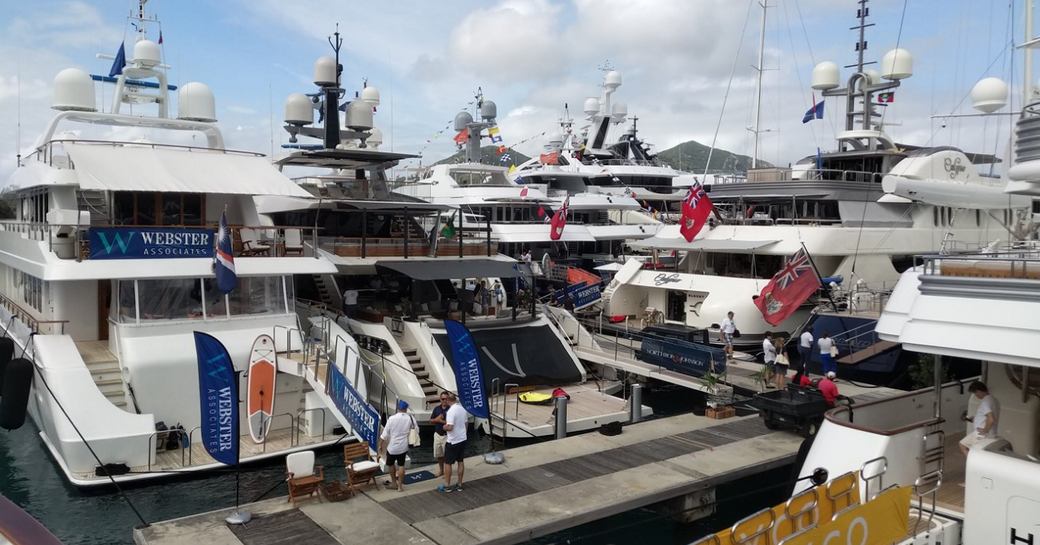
<point x="428" y="59"/>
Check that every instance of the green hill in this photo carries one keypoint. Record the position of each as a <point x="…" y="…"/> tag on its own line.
<point x="489" y="156"/>
<point x="691" y="156"/>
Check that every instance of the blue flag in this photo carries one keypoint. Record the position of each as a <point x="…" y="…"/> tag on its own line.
<point x="224" y="258"/>
<point x="816" y="112"/>
<point x="218" y="399"/>
<point x="119" y="62"/>
<point x="469" y="377"/>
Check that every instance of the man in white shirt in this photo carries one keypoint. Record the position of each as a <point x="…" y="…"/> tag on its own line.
<point x="986" y="417"/>
<point x="350" y="297"/>
<point x="804" y="351"/>
<point x="826" y="344"/>
<point x="454" y="451"/>
<point x="729" y="327"/>
<point x="394" y="442"/>
<point x="769" y="356"/>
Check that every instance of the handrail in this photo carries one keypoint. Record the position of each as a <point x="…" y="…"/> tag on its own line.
<point x="882" y="462"/>
<point x="305" y="411"/>
<point x="832" y="415"/>
<point x="292" y="423"/>
<point x="191" y="432"/>
<point x="153" y="145"/>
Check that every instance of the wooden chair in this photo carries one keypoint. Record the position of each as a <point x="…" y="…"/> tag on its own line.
<point x="293" y="242"/>
<point x="252" y="245"/>
<point x="304" y="478"/>
<point x="361" y="468"/>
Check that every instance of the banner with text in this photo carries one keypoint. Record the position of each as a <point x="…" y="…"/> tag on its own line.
<point x="469" y="377"/>
<point x="683" y="356"/>
<point x="218" y="398"/>
<point x="361" y="416"/>
<point x="150" y="242"/>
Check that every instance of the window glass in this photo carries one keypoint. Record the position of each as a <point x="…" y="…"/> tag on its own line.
<point x="171" y="209"/>
<point x="124" y="208"/>
<point x="258" y="295"/>
<point x="127" y="308"/>
<point x="192" y="209"/>
<point x="170" y="299"/>
<point x="145" y="210"/>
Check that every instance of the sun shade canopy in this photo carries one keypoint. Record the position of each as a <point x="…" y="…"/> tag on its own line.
<point x="445" y="269"/>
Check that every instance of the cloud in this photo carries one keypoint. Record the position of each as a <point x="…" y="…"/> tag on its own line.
<point x="514" y="40"/>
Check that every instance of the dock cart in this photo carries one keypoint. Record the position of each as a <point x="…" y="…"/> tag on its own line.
<point x="795" y="408"/>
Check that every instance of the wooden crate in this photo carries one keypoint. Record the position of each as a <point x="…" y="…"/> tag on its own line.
<point x="720" y="412"/>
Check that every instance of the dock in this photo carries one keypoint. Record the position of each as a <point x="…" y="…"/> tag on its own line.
<point x="541" y="489"/>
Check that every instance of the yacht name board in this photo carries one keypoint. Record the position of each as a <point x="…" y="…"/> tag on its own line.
<point x="150" y="242"/>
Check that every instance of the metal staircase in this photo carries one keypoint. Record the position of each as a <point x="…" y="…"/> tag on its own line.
<point x="423" y="375"/>
<point x="95" y="202"/>
<point x="328" y="292"/>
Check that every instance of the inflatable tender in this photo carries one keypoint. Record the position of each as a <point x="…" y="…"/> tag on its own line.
<point x="535" y="398"/>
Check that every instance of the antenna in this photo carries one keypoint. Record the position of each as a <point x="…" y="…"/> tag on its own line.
<point x="18" y="123"/>
<point x="332" y="95"/>
<point x="758" y="93"/>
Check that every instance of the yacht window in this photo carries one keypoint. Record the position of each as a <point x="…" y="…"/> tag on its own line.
<point x="978" y="217"/>
<point x="127" y="306"/>
<point x="151" y="208"/>
<point x="32" y="290"/>
<point x="170" y="298"/>
<point x="258" y="295"/>
<point x="479" y="177"/>
<point x="935" y="216"/>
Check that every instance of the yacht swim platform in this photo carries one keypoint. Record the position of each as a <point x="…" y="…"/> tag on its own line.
<point x="590" y="406"/>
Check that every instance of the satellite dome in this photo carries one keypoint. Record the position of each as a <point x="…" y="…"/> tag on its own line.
<point x="370" y="95"/>
<point x="555" y="142"/>
<point x="462" y="119"/>
<point x="897" y="64"/>
<point x="298" y="110"/>
<point x="325" y="72"/>
<point x="873" y="75"/>
<point x="73" y="91"/>
<point x="195" y="103"/>
<point x="591" y="106"/>
<point x="488" y="110"/>
<point x="989" y="95"/>
<point x="612" y="80"/>
<point x="825" y="76"/>
<point x="147" y="54"/>
<point x="359" y="115"/>
<point x="375" y="138"/>
<point x="620" y="112"/>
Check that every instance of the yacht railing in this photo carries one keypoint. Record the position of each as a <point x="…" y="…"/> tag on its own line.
<point x="45" y="152"/>
<point x="72" y="241"/>
<point x="45" y="327"/>
<point x="406" y="247"/>
<point x="812" y="174"/>
<point x="1007" y="263"/>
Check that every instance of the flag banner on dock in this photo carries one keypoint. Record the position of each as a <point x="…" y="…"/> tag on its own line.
<point x="363" y="418"/>
<point x="150" y="242"/>
<point x="696" y="207"/>
<point x="218" y="397"/>
<point x="224" y="258"/>
<point x="469" y="377"/>
<point x="816" y="112"/>
<point x="683" y="356"/>
<point x="788" y="289"/>
<point x="559" y="221"/>
<point x="462" y="137"/>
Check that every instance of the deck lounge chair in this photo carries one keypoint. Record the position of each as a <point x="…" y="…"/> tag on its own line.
<point x="293" y="242"/>
<point x="252" y="245"/>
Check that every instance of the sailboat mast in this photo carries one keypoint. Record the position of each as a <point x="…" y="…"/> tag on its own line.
<point x="1027" y="72"/>
<point x="758" y="92"/>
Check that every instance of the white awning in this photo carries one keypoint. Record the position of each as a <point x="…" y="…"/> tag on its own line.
<point x="623" y="232"/>
<point x="711" y="245"/>
<point x="538" y="232"/>
<point x="140" y="168"/>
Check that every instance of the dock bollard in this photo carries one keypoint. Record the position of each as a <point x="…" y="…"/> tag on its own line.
<point x="635" y="407"/>
<point x="561" y="417"/>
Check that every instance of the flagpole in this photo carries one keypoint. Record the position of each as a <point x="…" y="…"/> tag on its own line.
<point x="819" y="276"/>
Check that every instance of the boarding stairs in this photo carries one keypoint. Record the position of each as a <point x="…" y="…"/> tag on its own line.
<point x="328" y="292"/>
<point x="422" y="374"/>
<point x="104" y="369"/>
<point x="95" y="202"/>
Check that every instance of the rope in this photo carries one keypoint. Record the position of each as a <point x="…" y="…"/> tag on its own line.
<point x="729" y="85"/>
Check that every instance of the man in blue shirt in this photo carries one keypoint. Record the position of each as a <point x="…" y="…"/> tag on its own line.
<point x="440" y="437"/>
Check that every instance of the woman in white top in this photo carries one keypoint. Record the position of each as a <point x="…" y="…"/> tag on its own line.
<point x="729" y="327"/>
<point x="769" y="357"/>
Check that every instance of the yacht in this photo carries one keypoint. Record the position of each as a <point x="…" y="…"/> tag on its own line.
<point x="406" y="279"/>
<point x="861" y="211"/>
<point x="517" y="212"/>
<point x="108" y="269"/>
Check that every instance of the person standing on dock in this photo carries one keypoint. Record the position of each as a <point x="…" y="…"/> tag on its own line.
<point x="454" y="451"/>
<point x="986" y="417"/>
<point x="826" y="345"/>
<point x="804" y="352"/>
<point x="769" y="358"/>
<point x="780" y="365"/>
<point x="394" y="441"/>
<point x="440" y="437"/>
<point x="828" y="388"/>
<point x="729" y="327"/>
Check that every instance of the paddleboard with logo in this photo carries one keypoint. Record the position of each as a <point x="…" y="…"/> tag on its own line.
<point x="263" y="369"/>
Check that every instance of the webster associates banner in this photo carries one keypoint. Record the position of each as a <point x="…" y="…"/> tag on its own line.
<point x="352" y="405"/>
<point x="150" y="242"/>
<point x="218" y="398"/>
<point x="469" y="377"/>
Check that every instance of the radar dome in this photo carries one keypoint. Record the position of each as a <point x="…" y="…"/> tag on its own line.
<point x="298" y="110"/>
<point x="195" y="103"/>
<point x="325" y="72"/>
<point x="897" y="64"/>
<point x="375" y="138"/>
<point x="989" y="95"/>
<point x="359" y="115"/>
<point x="591" y="106"/>
<point x="488" y="110"/>
<point x="825" y="76"/>
<point x="620" y="112"/>
<point x="370" y="95"/>
<point x="462" y="119"/>
<point x="612" y="80"/>
<point x="73" y="91"/>
<point x="873" y="75"/>
<point x="147" y="54"/>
